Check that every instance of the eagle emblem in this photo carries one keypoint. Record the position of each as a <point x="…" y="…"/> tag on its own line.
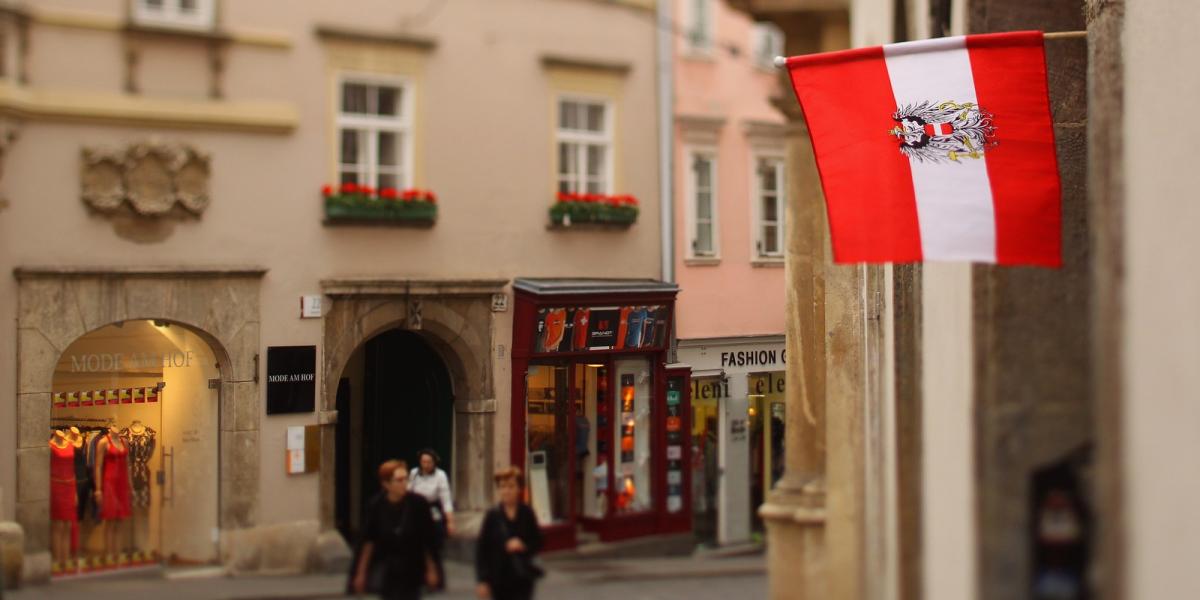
<point x="944" y="132"/>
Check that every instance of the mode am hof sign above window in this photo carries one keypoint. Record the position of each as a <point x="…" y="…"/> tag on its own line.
<point x="291" y="379"/>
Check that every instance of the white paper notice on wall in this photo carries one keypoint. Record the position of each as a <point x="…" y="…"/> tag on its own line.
<point x="310" y="306"/>
<point x="295" y="450"/>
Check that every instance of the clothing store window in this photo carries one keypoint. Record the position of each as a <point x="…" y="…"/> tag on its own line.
<point x="134" y="437"/>
<point x="769" y="193"/>
<point x="190" y="14"/>
<point x="702" y="195"/>
<point x="584" y="141"/>
<point x="590" y="393"/>
<point x="632" y="436"/>
<point x="374" y="132"/>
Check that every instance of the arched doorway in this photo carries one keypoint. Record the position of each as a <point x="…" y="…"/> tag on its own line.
<point x="394" y="398"/>
<point x="135" y="409"/>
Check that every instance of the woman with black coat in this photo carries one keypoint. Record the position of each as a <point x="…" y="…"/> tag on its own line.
<point x="508" y="542"/>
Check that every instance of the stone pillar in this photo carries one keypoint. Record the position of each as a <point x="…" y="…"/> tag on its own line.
<point x="795" y="511"/>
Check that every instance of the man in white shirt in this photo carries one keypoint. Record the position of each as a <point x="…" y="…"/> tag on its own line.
<point x="432" y="483"/>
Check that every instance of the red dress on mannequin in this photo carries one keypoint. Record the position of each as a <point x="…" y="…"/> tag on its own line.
<point x="63" y="494"/>
<point x="115" y="498"/>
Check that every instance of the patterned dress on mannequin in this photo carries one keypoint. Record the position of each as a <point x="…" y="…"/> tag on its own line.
<point x="141" y="449"/>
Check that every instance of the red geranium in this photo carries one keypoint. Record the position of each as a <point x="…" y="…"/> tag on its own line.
<point x="327" y="190"/>
<point x="349" y="188"/>
<point x="430" y="197"/>
<point x="366" y="190"/>
<point x="388" y="193"/>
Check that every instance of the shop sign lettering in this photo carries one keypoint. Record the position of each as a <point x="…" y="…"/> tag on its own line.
<point x="709" y="389"/>
<point x="769" y="383"/>
<point x="753" y="358"/>
<point x="118" y="361"/>
<point x="291" y="379"/>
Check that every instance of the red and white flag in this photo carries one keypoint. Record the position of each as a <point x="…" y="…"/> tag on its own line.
<point x="938" y="150"/>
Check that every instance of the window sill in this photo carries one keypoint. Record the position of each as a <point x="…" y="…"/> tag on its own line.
<point x="584" y="226"/>
<point x="702" y="261"/>
<point x="764" y="262"/>
<point x="695" y="55"/>
<point x="206" y="33"/>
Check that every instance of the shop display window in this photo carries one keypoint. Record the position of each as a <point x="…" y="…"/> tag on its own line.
<point x="133" y="446"/>
<point x="631" y="436"/>
<point x="591" y="389"/>
<point x="548" y="441"/>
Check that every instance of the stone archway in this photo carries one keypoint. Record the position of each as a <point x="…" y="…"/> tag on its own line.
<point x="455" y="317"/>
<point x="56" y="306"/>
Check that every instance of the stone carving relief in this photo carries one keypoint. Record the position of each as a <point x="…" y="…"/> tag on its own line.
<point x="148" y="180"/>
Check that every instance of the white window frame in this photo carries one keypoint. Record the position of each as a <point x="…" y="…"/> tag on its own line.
<point x="767" y="42"/>
<point x="692" y="218"/>
<point x="582" y="139"/>
<point x="703" y="46"/>
<point x="374" y="124"/>
<point x="758" y="222"/>
<point x="171" y="14"/>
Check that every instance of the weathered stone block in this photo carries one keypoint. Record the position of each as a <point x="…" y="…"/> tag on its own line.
<point x="12" y="554"/>
<point x="246" y="406"/>
<point x="33" y="474"/>
<point x="331" y="553"/>
<point x="281" y="549"/>
<point x="33" y="420"/>
<point x="36" y="569"/>
<point x="34" y="518"/>
<point x="35" y="361"/>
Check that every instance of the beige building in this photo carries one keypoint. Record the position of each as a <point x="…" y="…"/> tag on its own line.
<point x="1003" y="433"/>
<point x="174" y="265"/>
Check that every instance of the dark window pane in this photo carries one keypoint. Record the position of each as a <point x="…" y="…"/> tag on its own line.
<point x="386" y="180"/>
<point x="388" y="148"/>
<point x="595" y="160"/>
<point x="704" y="205"/>
<point x="389" y="101"/>
<point x="349" y="177"/>
<point x="568" y="115"/>
<point x="595" y="117"/>
<point x="770" y="239"/>
<point x="350" y="146"/>
<point x="354" y="98"/>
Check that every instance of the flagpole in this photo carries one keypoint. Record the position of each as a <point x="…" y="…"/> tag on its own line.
<point x="781" y="61"/>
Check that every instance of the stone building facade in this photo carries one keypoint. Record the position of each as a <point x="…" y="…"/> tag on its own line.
<point x="947" y="400"/>
<point x="163" y="170"/>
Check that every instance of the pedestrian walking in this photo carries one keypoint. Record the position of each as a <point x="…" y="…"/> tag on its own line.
<point x="398" y="553"/>
<point x="428" y="480"/>
<point x="509" y="541"/>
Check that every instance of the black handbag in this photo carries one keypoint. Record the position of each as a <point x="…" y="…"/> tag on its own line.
<point x="524" y="565"/>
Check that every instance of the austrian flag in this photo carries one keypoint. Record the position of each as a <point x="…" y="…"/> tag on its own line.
<point x="938" y="150"/>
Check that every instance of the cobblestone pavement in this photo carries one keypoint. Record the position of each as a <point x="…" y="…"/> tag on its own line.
<point x="654" y="579"/>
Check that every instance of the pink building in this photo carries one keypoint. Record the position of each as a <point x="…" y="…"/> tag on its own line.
<point x="729" y="168"/>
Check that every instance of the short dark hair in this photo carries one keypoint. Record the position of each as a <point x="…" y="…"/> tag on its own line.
<point x="388" y="469"/>
<point x="510" y="473"/>
<point x="437" y="460"/>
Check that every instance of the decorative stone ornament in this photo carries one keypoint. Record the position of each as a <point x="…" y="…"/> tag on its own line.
<point x="151" y="179"/>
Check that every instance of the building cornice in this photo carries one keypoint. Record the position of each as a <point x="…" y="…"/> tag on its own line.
<point x="576" y="63"/>
<point x="339" y="33"/>
<point x="397" y="286"/>
<point x="63" y="105"/>
<point x="77" y="19"/>
<point x="162" y="272"/>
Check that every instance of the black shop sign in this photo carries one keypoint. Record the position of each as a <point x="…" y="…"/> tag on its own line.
<point x="291" y="379"/>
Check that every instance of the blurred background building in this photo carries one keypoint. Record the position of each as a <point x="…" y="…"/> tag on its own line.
<point x="176" y="263"/>
<point x="729" y="177"/>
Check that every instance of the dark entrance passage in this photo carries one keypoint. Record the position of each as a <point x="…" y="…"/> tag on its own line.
<point x="394" y="398"/>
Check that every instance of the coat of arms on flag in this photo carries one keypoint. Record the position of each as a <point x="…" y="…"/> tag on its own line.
<point x="936" y="150"/>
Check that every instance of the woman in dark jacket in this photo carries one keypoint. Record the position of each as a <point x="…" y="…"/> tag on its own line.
<point x="398" y="550"/>
<point x="508" y="541"/>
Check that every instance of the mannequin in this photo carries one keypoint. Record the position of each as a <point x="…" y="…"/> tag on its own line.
<point x="63" y="498"/>
<point x="111" y="478"/>
<point x="83" y="487"/>
<point x="141" y="441"/>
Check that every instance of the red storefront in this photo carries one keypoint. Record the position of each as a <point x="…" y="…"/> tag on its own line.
<point x="599" y="423"/>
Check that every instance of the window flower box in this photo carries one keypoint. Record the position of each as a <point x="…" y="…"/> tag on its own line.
<point x="363" y="205"/>
<point x="570" y="209"/>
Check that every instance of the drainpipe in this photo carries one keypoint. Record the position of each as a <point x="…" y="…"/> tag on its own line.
<point x="666" y="147"/>
<point x="666" y="128"/>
